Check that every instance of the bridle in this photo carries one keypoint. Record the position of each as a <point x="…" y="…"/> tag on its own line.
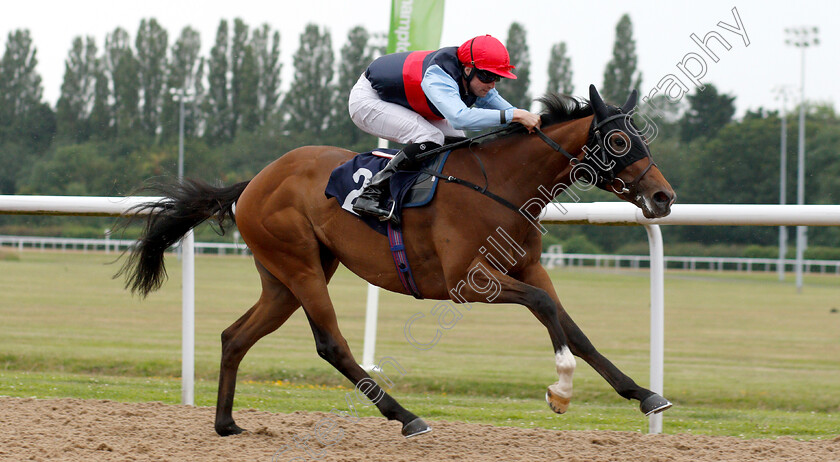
<point x="597" y="157"/>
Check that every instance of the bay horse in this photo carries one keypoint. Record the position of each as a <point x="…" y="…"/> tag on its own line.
<point x="298" y="237"/>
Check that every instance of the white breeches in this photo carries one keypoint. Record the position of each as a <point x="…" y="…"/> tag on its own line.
<point x="392" y="121"/>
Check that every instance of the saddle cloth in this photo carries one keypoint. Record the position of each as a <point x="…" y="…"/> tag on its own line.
<point x="408" y="188"/>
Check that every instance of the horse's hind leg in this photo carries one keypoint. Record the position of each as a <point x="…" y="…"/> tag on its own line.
<point x="306" y="278"/>
<point x="274" y="307"/>
<point x="332" y="346"/>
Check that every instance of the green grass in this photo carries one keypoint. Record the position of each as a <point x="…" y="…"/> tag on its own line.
<point x="745" y="355"/>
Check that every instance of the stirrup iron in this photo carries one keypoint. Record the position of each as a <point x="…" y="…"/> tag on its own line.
<point x="390" y="213"/>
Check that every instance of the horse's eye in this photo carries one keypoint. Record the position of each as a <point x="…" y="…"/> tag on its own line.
<point x="618" y="141"/>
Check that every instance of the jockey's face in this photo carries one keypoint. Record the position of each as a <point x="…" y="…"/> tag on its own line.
<point x="477" y="87"/>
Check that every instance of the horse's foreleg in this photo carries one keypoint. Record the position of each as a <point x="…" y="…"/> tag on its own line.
<point x="274" y="307"/>
<point x="650" y="402"/>
<point x="543" y="307"/>
<point x="580" y="345"/>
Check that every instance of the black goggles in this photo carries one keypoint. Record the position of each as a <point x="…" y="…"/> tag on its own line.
<point x="486" y="76"/>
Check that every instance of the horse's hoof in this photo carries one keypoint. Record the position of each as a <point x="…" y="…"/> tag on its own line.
<point x="654" y="404"/>
<point x="557" y="403"/>
<point x="228" y="429"/>
<point x="415" y="427"/>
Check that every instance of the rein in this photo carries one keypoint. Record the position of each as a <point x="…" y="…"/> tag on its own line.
<point x="554" y="145"/>
<point x="469" y="184"/>
<point x="473" y="186"/>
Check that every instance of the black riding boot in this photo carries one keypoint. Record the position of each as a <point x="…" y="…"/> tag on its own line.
<point x="370" y="201"/>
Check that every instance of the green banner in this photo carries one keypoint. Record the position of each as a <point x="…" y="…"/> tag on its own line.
<point x="415" y="25"/>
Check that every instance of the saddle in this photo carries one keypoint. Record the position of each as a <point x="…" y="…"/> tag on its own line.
<point x="409" y="188"/>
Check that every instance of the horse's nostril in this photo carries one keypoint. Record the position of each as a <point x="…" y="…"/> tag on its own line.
<point x="662" y="198"/>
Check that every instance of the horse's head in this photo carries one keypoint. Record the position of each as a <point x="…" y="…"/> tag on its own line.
<point x="620" y="158"/>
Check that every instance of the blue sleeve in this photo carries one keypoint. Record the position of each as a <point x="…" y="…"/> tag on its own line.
<point x="443" y="92"/>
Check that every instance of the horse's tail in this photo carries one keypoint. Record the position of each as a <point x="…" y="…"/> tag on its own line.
<point x="184" y="206"/>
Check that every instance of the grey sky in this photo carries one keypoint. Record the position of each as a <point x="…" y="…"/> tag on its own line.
<point x="662" y="31"/>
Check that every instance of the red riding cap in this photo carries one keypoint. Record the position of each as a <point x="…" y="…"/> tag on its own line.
<point x="486" y="53"/>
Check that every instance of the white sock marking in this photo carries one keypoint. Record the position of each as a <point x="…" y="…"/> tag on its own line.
<point x="565" y="362"/>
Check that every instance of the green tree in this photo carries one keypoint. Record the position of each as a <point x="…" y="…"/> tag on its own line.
<point x="559" y="71"/>
<point x="151" y="43"/>
<point x="378" y="44"/>
<point x="731" y="167"/>
<point x="97" y="167"/>
<point x="20" y="83"/>
<point x="71" y="169"/>
<point x="620" y="76"/>
<point x="244" y="81"/>
<point x="662" y="109"/>
<point x="516" y="91"/>
<point x="269" y="67"/>
<point x="307" y="105"/>
<point x="27" y="125"/>
<point x="185" y="72"/>
<point x="123" y="69"/>
<point x="822" y="166"/>
<point x="36" y="129"/>
<point x="75" y="104"/>
<point x="31" y="137"/>
<point x="11" y="157"/>
<point x="102" y="114"/>
<point x="356" y="55"/>
<point x="708" y="112"/>
<point x="217" y="108"/>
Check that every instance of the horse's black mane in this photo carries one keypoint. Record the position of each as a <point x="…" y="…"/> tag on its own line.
<point x="556" y="108"/>
<point x="563" y="108"/>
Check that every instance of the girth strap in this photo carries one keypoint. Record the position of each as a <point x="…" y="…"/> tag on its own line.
<point x="397" y="246"/>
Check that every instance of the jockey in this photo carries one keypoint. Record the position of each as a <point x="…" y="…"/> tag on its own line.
<point x="418" y="98"/>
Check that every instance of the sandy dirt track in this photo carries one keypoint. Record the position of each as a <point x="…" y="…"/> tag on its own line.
<point x="85" y="430"/>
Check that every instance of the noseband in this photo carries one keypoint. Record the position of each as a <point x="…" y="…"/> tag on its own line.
<point x="597" y="157"/>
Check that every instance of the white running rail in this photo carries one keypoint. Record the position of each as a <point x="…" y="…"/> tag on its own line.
<point x="115" y="206"/>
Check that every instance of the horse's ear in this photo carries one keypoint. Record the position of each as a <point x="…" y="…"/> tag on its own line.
<point x="597" y="103"/>
<point x="631" y="102"/>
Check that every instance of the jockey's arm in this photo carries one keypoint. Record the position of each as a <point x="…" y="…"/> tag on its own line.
<point x="443" y="92"/>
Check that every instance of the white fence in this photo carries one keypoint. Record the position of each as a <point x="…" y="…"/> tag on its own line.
<point x="552" y="260"/>
<point x="107" y="245"/>
<point x="549" y="259"/>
